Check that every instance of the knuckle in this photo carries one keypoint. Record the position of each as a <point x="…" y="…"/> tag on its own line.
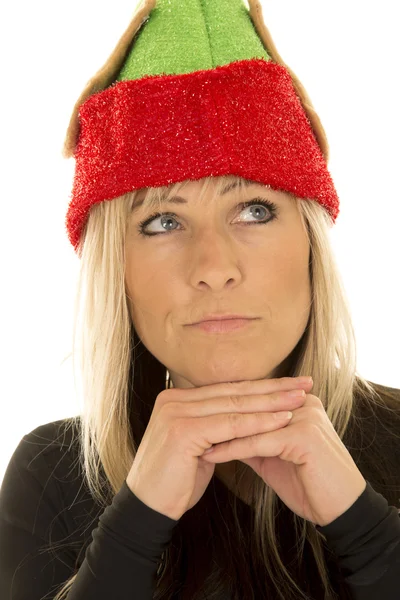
<point x="237" y="400"/>
<point x="170" y="409"/>
<point x="317" y="401"/>
<point x="281" y="383"/>
<point x="316" y="414"/>
<point x="235" y="421"/>
<point x="310" y="429"/>
<point x="314" y="403"/>
<point x="230" y="389"/>
<point x="160" y="399"/>
<point x="164" y="397"/>
<point x="252" y="441"/>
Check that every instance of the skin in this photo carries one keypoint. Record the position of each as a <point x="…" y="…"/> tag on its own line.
<point x="211" y="262"/>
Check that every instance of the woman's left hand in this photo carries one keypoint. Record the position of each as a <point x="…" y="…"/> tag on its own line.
<point x="304" y="462"/>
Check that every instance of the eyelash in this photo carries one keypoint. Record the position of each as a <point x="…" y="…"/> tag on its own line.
<point x="256" y="201"/>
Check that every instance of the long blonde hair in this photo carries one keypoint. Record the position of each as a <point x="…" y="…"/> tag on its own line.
<point x="121" y="380"/>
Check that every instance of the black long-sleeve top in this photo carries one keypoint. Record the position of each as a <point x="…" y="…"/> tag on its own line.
<point x="116" y="551"/>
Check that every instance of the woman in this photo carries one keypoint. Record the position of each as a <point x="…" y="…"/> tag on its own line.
<point x="121" y="501"/>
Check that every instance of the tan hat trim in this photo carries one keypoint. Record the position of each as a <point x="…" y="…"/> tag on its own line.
<point x="106" y="75"/>
<point x="265" y="36"/>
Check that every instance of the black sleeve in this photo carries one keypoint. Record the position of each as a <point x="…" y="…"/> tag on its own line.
<point x="123" y="550"/>
<point x="366" y="540"/>
<point x="122" y="560"/>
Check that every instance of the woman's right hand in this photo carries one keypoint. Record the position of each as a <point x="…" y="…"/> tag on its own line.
<point x="167" y="473"/>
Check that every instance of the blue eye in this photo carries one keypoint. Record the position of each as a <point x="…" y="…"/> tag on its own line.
<point x="168" y="216"/>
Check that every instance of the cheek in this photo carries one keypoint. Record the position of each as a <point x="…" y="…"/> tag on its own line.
<point x="143" y="284"/>
<point x="285" y="283"/>
<point x="285" y="264"/>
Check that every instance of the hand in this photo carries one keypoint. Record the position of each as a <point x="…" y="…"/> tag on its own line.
<point x="167" y="473"/>
<point x="305" y="463"/>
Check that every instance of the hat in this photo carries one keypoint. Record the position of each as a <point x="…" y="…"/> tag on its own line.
<point x="193" y="89"/>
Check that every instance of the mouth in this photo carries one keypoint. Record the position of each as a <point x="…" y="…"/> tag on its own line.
<point x="222" y="325"/>
<point x="222" y="317"/>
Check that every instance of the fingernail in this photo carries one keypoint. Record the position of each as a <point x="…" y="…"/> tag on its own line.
<point x="304" y="379"/>
<point x="284" y="415"/>
<point x="296" y="394"/>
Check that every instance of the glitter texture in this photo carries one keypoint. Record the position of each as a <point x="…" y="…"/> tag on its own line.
<point x="243" y="119"/>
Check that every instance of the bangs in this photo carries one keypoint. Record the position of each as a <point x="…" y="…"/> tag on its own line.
<point x="155" y="195"/>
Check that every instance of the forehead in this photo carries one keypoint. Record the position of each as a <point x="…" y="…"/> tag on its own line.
<point x="225" y="185"/>
<point x="182" y="191"/>
<point x="188" y="191"/>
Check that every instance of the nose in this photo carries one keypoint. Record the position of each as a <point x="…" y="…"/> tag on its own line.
<point x="214" y="262"/>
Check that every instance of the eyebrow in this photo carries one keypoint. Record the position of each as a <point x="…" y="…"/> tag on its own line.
<point x="180" y="200"/>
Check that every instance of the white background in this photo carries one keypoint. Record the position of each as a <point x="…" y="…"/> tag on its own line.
<point x="346" y="54"/>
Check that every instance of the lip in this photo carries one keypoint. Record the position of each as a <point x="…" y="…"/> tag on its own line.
<point x="221" y="317"/>
<point x="222" y="325"/>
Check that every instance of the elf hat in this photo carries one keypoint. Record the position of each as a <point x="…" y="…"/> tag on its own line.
<point x="194" y="88"/>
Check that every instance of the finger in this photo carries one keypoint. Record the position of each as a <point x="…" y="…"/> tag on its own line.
<point x="238" y="404"/>
<point x="224" y="429"/>
<point x="260" y="386"/>
<point x="266" y="444"/>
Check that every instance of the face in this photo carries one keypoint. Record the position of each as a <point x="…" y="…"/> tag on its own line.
<point x="219" y="257"/>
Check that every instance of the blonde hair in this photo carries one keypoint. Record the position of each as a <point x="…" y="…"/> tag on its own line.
<point x="114" y="367"/>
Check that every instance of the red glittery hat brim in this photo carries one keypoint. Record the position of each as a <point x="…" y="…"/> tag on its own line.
<point x="243" y="118"/>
